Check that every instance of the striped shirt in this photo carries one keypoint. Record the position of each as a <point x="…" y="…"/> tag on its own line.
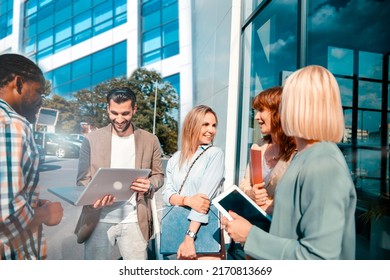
<point x="18" y="188"/>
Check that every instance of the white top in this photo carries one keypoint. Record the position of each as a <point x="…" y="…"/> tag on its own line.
<point x="122" y="156"/>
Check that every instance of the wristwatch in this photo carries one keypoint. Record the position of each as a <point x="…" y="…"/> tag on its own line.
<point x="191" y="234"/>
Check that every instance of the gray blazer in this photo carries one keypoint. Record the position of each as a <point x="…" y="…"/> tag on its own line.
<point x="95" y="153"/>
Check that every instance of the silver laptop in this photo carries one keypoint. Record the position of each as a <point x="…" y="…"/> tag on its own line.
<point x="113" y="181"/>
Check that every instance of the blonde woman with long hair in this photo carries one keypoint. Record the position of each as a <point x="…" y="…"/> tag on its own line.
<point x="202" y="164"/>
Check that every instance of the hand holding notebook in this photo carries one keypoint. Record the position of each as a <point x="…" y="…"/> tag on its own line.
<point x="256" y="167"/>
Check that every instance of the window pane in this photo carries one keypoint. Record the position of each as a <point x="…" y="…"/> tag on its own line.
<point x="348" y="126"/>
<point x="120" y="6"/>
<point x="102" y="59"/>
<point x="345" y="91"/>
<point x="82" y="83"/>
<point x="64" y="90"/>
<point x="370" y="95"/>
<point x="30" y="45"/>
<point x="101" y="76"/>
<point x="169" y="13"/>
<point x="174" y="80"/>
<point x="170" y="33"/>
<point x="32" y="7"/>
<point x="340" y="61"/>
<point x="171" y="50"/>
<point x="63" y="31"/>
<point x="62" y="11"/>
<point x="368" y="171"/>
<point x="151" y="21"/>
<point x="81" y="67"/>
<point x="31" y="26"/>
<point x="102" y="13"/>
<point x="45" y="18"/>
<point x="62" y="45"/>
<point x="150" y="7"/>
<point x="120" y="53"/>
<point x="45" y="40"/>
<point x="165" y="3"/>
<point x="368" y="128"/>
<point x="43" y="3"/>
<point x="80" y="37"/>
<point x="103" y="27"/>
<point x="80" y="6"/>
<point x="120" y="69"/>
<point x="151" y="57"/>
<point x="370" y="65"/>
<point x="44" y="53"/>
<point x="82" y="22"/>
<point x="151" y="40"/>
<point x="120" y="19"/>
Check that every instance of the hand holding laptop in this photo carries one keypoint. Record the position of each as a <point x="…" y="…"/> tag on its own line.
<point x="107" y="186"/>
<point x="141" y="185"/>
<point x="106" y="200"/>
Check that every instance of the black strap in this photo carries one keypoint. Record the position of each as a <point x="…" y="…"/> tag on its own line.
<point x="192" y="164"/>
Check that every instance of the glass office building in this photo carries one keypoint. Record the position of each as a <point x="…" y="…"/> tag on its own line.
<point x="352" y="40"/>
<point x="82" y="43"/>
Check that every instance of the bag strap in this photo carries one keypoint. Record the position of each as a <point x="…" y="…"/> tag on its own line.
<point x="192" y="164"/>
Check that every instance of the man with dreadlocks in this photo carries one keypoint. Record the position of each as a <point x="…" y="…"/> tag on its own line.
<point x="22" y="213"/>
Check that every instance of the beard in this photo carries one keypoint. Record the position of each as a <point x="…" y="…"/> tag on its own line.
<point x="124" y="126"/>
<point x="30" y="114"/>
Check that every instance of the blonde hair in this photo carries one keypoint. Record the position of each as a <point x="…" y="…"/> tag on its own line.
<point x="191" y="129"/>
<point x="311" y="105"/>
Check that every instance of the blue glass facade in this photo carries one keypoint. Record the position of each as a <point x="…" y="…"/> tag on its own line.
<point x="6" y="16"/>
<point x="89" y="71"/>
<point x="282" y="36"/>
<point x="160" y="30"/>
<point x="357" y="56"/>
<point x="174" y="80"/>
<point x="51" y="26"/>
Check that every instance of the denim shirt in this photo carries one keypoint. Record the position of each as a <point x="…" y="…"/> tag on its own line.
<point x="206" y="177"/>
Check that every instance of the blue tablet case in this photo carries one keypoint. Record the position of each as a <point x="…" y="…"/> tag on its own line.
<point x="174" y="225"/>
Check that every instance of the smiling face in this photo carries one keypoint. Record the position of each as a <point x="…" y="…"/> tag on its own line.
<point x="263" y="117"/>
<point x="208" y="130"/>
<point x="120" y="116"/>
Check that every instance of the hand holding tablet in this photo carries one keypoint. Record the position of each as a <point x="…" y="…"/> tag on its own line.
<point x="234" y="199"/>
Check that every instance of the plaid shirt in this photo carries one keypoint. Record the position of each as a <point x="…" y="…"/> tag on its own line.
<point x="18" y="195"/>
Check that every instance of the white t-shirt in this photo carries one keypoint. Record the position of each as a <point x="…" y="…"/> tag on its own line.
<point x="122" y="156"/>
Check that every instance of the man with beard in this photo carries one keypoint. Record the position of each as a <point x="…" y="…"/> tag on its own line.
<point x="22" y="213"/>
<point x="126" y="224"/>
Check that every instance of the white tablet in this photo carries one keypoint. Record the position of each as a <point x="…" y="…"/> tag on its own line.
<point x="234" y="199"/>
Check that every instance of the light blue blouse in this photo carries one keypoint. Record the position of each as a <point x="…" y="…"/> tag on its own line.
<point x="206" y="177"/>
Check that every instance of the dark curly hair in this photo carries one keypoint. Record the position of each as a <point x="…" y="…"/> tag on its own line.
<point x="12" y="65"/>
